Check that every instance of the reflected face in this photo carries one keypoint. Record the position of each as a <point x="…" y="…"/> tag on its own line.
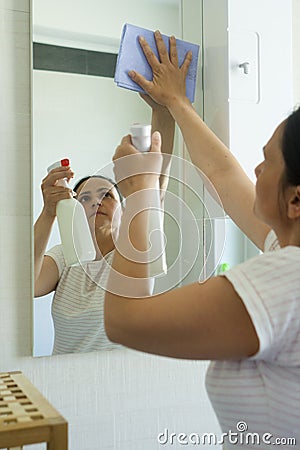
<point x="268" y="174"/>
<point x="101" y="202"/>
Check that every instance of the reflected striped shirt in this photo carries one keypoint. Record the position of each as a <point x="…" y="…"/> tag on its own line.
<point x="78" y="305"/>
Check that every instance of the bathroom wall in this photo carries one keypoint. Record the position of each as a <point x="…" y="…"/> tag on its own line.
<point x="118" y="400"/>
<point x="296" y="52"/>
<point x="112" y="400"/>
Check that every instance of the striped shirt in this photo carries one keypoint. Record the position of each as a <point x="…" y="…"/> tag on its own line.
<point x="263" y="391"/>
<point x="78" y="305"/>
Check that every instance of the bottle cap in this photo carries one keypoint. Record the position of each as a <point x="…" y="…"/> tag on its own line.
<point x="65" y="162"/>
<point x="138" y="129"/>
<point x="61" y="163"/>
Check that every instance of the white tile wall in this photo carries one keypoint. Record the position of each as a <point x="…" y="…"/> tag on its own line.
<point x="296" y="52"/>
<point x="113" y="400"/>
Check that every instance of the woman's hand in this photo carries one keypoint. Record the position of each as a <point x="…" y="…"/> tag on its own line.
<point x="168" y="83"/>
<point x="162" y="120"/>
<point x="158" y="109"/>
<point x="52" y="192"/>
<point x="135" y="170"/>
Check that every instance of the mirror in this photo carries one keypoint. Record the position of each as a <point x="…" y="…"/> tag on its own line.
<point x="78" y="112"/>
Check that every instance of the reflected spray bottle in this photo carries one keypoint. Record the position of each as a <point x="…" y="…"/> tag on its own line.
<point x="77" y="242"/>
<point x="141" y="139"/>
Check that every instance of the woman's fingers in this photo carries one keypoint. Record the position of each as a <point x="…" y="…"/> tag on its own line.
<point x="164" y="57"/>
<point x="156" y="142"/>
<point x="125" y="148"/>
<point x="149" y="54"/>
<point x="52" y="192"/>
<point x="52" y="195"/>
<point x="161" y="48"/>
<point x="173" y="51"/>
<point x="56" y="192"/>
<point x="57" y="174"/>
<point x="141" y="81"/>
<point x="186" y="63"/>
<point x="169" y="80"/>
<point x="126" y="140"/>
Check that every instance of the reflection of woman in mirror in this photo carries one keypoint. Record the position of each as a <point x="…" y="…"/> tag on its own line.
<point x="247" y="320"/>
<point x="77" y="306"/>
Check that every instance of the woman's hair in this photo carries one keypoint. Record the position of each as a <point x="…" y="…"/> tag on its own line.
<point x="82" y="180"/>
<point x="291" y="149"/>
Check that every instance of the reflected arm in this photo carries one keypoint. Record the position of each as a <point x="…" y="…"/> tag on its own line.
<point x="45" y="270"/>
<point x="163" y="122"/>
<point x="46" y="274"/>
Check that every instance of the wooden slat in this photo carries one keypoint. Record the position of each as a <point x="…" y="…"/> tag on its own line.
<point x="26" y="417"/>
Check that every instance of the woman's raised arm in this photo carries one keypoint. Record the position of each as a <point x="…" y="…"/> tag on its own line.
<point x="207" y="152"/>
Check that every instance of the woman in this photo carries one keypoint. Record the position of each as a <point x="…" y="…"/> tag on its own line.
<point x="77" y="307"/>
<point x="248" y="320"/>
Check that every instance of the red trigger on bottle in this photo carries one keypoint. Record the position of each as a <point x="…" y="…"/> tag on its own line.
<point x="65" y="162"/>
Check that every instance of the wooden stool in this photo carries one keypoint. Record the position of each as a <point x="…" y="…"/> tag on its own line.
<point x="26" y="417"/>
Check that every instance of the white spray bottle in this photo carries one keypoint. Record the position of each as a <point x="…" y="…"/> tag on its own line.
<point x="77" y="242"/>
<point x="141" y="139"/>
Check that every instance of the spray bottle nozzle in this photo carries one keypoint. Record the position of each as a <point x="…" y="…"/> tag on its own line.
<point x="61" y="163"/>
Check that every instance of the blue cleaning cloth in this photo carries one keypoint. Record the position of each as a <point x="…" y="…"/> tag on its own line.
<point x="131" y="57"/>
